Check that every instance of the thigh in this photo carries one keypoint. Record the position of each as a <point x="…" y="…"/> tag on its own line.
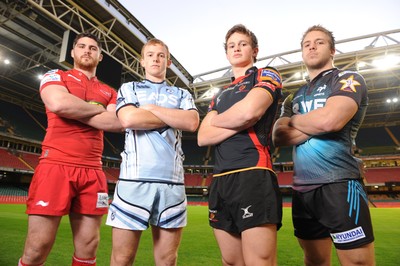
<point x="230" y="245"/>
<point x="166" y="243"/>
<point x="124" y="246"/>
<point x="41" y="235"/>
<point x="317" y="251"/>
<point x="86" y="234"/>
<point x="259" y="245"/>
<point x="364" y="255"/>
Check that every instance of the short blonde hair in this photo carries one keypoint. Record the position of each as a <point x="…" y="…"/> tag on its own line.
<point x="155" y="41"/>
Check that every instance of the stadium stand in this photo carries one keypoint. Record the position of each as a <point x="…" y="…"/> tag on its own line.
<point x="285" y="178"/>
<point x="30" y="159"/>
<point x="382" y="175"/>
<point x="9" y="160"/>
<point x="20" y="122"/>
<point x="193" y="180"/>
<point x="11" y="194"/>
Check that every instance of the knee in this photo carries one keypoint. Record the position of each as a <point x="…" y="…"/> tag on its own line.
<point x="122" y="259"/>
<point x="316" y="261"/>
<point x="36" y="254"/>
<point x="169" y="259"/>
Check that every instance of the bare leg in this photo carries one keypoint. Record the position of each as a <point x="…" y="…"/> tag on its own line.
<point x="86" y="234"/>
<point x="259" y="245"/>
<point x="41" y="235"/>
<point x="230" y="246"/>
<point x="166" y="245"/>
<point x="124" y="246"/>
<point x="364" y="255"/>
<point x="317" y="252"/>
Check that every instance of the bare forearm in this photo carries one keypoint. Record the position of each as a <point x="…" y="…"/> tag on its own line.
<point x="139" y="119"/>
<point x="285" y="135"/>
<point x="106" y="121"/>
<point x="187" y="120"/>
<point x="59" y="101"/>
<point x="211" y="135"/>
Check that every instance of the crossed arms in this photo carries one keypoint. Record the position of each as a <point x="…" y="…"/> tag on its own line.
<point x="151" y="116"/>
<point x="64" y="104"/>
<point x="294" y="130"/>
<point x="216" y="128"/>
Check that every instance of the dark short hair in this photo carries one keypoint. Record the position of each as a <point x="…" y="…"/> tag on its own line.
<point x="331" y="39"/>
<point x="88" y="35"/>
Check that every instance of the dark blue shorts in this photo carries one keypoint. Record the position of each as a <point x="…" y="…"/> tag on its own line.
<point x="337" y="210"/>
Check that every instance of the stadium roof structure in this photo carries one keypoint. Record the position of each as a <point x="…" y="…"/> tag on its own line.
<point x="32" y="33"/>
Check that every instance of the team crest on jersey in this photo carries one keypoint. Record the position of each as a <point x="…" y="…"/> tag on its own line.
<point x="242" y="89"/>
<point x="349" y="84"/>
<point x="120" y="99"/>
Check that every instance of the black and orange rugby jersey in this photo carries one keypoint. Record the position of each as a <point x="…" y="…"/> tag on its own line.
<point x="249" y="148"/>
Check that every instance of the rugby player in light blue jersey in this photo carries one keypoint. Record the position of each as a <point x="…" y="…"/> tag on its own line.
<point x="150" y="189"/>
<point x="321" y="120"/>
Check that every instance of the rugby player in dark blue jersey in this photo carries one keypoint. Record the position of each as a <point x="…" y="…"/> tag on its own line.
<point x="321" y="121"/>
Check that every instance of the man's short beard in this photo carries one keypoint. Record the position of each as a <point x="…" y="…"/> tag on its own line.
<point x="87" y="67"/>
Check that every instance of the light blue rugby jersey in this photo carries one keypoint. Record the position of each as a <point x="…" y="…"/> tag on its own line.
<point x="153" y="155"/>
<point x="328" y="158"/>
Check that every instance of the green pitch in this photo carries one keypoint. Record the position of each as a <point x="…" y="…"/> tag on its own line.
<point x="198" y="245"/>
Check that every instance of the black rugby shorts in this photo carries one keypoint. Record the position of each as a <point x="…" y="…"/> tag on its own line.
<point x="337" y="210"/>
<point x="244" y="200"/>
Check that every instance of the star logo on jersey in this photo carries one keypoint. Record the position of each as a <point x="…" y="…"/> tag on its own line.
<point x="246" y="213"/>
<point x="349" y="84"/>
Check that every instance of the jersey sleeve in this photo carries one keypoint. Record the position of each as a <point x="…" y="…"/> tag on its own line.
<point x="187" y="102"/>
<point x="126" y="96"/>
<point x="52" y="77"/>
<point x="212" y="106"/>
<point x="350" y="84"/>
<point x="270" y="79"/>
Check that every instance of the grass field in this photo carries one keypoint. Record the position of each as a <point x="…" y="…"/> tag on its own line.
<point x="198" y="245"/>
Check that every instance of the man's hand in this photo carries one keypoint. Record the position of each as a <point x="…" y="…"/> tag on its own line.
<point x="286" y="109"/>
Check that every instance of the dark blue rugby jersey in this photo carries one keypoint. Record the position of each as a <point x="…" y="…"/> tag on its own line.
<point x="251" y="147"/>
<point x="328" y="157"/>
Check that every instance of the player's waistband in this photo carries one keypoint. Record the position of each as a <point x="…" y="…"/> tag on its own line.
<point x="244" y="169"/>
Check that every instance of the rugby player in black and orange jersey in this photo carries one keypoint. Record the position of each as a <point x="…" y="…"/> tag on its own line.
<point x="245" y="205"/>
